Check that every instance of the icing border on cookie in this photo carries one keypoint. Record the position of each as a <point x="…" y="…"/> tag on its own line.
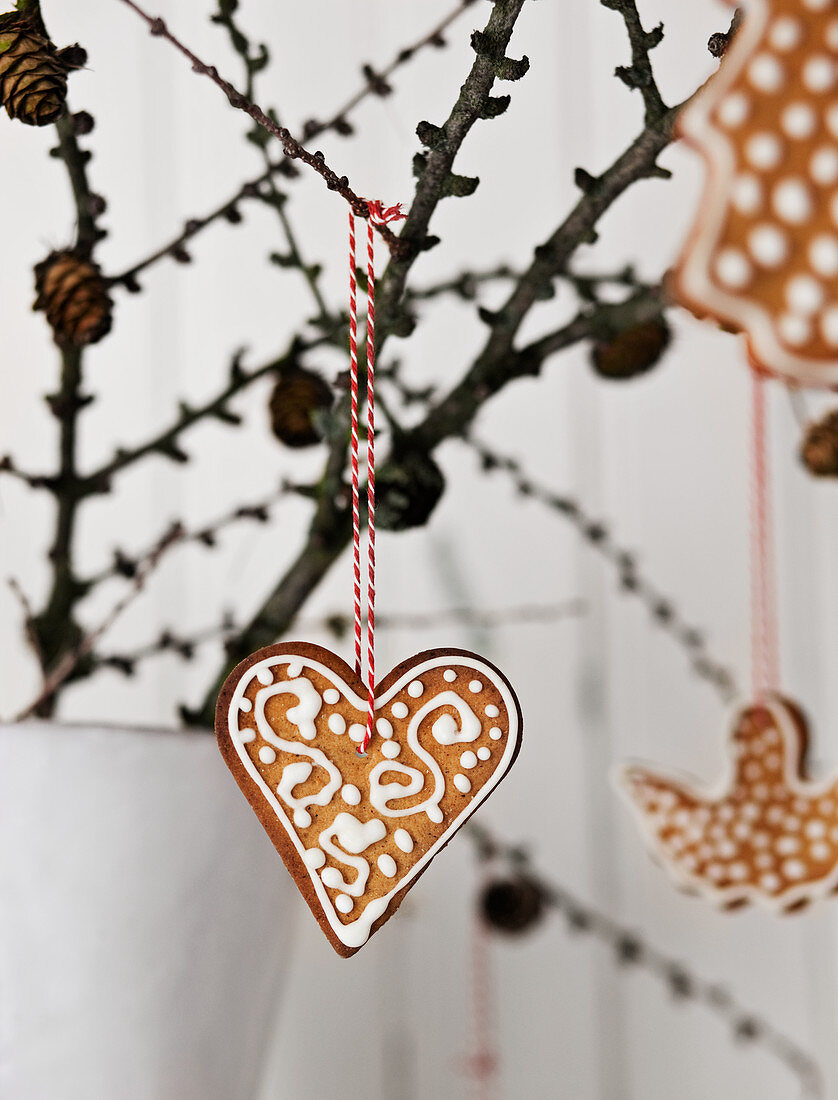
<point x="693" y="274"/>
<point x="786" y="723"/>
<point x="356" y="934"/>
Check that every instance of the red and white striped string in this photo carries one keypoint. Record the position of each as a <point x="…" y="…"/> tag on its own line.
<point x="377" y="216"/>
<point x="765" y="645"/>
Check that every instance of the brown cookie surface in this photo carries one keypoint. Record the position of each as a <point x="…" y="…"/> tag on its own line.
<point x="357" y="831"/>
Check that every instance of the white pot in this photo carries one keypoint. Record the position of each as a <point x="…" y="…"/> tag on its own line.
<point x="145" y="919"/>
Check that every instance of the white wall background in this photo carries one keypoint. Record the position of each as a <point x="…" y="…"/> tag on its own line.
<point x="664" y="459"/>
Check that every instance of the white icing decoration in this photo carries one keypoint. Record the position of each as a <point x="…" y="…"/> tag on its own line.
<point x="484" y="752"/>
<point x="295" y="669"/>
<point x="746" y="195"/>
<point x="337" y="724"/>
<point x="387" y="865"/>
<point x="357" y="732"/>
<point x="265" y="676"/>
<point x="331" y="696"/>
<point x="768" y="245"/>
<point x="734" y="110"/>
<point x="449" y="675"/>
<point x="314" y="858"/>
<point x="764" y="151"/>
<point x="468" y="760"/>
<point x="823" y="166"/>
<point x="399" y="710"/>
<point x="391" y="750"/>
<point x="246" y="736"/>
<point x="245" y="705"/>
<point x="415" y="689"/>
<point x="403" y="840"/>
<point x="302" y="715"/>
<point x="350" y="794"/>
<point x="267" y="755"/>
<point x="819" y="73"/>
<point x="733" y="268"/>
<point x="491" y="711"/>
<point x="794" y="329"/>
<point x="823" y="255"/>
<point x="785" y="33"/>
<point x="355" y="933"/>
<point x="804" y="294"/>
<point x="495" y="733"/>
<point x="462" y="783"/>
<point x="344" y="903"/>
<point x="475" y="686"/>
<point x="829" y="326"/>
<point x="792" y="201"/>
<point x="766" y="73"/>
<point x="354" y="837"/>
<point x="384" y="728"/>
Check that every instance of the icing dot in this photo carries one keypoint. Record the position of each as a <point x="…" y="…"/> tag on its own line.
<point x="387" y="865"/>
<point x="246" y="736"/>
<point x="331" y="695"/>
<point x="741" y="830"/>
<point x="792" y="824"/>
<point x="714" y="871"/>
<point x="245" y="704"/>
<point x="337" y="724"/>
<point x="265" y="676"/>
<point x="462" y="783"/>
<point x="350" y="794"/>
<point x="302" y="818"/>
<point x="403" y="840"/>
<point x="832" y="119"/>
<point x="760" y="840"/>
<point x="495" y="733"/>
<point x="492" y="711"/>
<point x="727" y="849"/>
<point x="314" y="858"/>
<point x="816" y="5"/>
<point x="415" y="689"/>
<point x="399" y="710"/>
<point x="434" y="814"/>
<point x="475" y="686"/>
<point x="733" y="268"/>
<point x="449" y="675"/>
<point x="820" y="850"/>
<point x="819" y="73"/>
<point x="766" y="73"/>
<point x="770" y="882"/>
<point x="763" y="860"/>
<point x="785" y="34"/>
<point x="792" y="201"/>
<point x="794" y="868"/>
<point x="764" y="150"/>
<point x="786" y="845"/>
<point x="267" y="755"/>
<point x="794" y="329"/>
<point x="799" y="121"/>
<point x="738" y="871"/>
<point x="468" y="760"/>
<point x="768" y="245"/>
<point x="746" y="193"/>
<point x="384" y="728"/>
<point x="484" y="752"/>
<point x="357" y="732"/>
<point x="344" y="903"/>
<point x="390" y="749"/>
<point x="831" y="35"/>
<point x="823" y="255"/>
<point x="804" y="295"/>
<point x="823" y="167"/>
<point x="295" y="669"/>
<point x="829" y="326"/>
<point x="332" y="878"/>
<point x="733" y="110"/>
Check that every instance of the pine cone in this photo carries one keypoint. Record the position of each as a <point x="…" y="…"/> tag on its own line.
<point x="633" y="351"/>
<point x="33" y="73"/>
<point x="74" y="296"/>
<point x="407" y="489"/>
<point x="297" y="396"/>
<point x="819" y="449"/>
<point x="512" y="905"/>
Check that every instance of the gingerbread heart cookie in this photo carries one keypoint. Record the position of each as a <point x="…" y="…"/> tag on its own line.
<point x="767" y="834"/>
<point x="762" y="257"/>
<point x="357" y="831"/>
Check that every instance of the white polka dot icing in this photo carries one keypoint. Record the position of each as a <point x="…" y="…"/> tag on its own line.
<point x="475" y="686"/>
<point x="325" y="807"/>
<point x="484" y="752"/>
<point x="733" y="848"/>
<point x="267" y="755"/>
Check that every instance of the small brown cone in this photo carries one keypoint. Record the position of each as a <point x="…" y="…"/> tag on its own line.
<point x="633" y="351"/>
<point x="297" y="396"/>
<point x="74" y="296"/>
<point x="513" y="904"/>
<point x="819" y="449"/>
<point x="33" y="73"/>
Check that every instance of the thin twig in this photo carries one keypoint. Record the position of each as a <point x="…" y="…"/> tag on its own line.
<point x="662" y="609"/>
<point x="291" y="147"/>
<point x="631" y="948"/>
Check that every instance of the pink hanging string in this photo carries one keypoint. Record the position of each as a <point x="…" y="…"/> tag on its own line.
<point x="378" y="215"/>
<point x="765" y="657"/>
